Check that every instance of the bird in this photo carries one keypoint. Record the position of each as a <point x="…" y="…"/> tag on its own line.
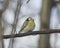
<point x="28" y="25"/>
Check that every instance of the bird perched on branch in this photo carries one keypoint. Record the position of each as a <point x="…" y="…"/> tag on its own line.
<point x="28" y="25"/>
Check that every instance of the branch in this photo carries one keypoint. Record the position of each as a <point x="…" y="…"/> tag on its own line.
<point x="15" y="23"/>
<point x="31" y="33"/>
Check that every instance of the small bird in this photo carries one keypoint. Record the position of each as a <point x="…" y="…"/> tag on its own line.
<point x="28" y="25"/>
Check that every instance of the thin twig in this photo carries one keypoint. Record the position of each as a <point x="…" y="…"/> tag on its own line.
<point x="15" y="23"/>
<point x="5" y="5"/>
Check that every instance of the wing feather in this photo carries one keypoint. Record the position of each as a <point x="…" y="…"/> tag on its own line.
<point x="24" y="25"/>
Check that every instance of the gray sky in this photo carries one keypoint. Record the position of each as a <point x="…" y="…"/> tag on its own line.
<point x="31" y="9"/>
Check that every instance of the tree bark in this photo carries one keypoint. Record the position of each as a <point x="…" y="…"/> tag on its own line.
<point x="45" y="18"/>
<point x="1" y="39"/>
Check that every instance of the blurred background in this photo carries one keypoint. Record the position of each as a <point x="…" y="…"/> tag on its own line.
<point x="13" y="13"/>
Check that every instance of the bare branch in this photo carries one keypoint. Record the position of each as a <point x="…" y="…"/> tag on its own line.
<point x="15" y="23"/>
<point x="32" y="33"/>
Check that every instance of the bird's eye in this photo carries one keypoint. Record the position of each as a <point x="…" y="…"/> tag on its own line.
<point x="27" y="19"/>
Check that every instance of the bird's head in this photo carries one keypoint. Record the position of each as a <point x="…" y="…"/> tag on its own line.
<point x="29" y="18"/>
